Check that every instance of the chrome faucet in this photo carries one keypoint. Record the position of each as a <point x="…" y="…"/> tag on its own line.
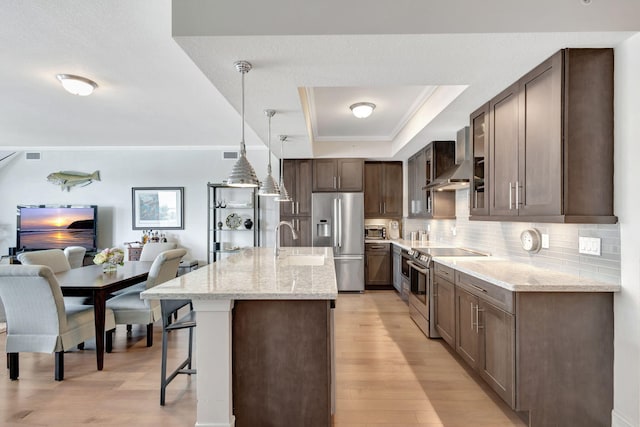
<point x="294" y="233"/>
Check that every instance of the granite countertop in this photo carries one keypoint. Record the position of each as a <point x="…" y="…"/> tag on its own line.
<point x="520" y="277"/>
<point x="254" y="273"/>
<point x="408" y="244"/>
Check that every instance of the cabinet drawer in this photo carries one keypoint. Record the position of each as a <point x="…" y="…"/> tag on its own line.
<point x="443" y="271"/>
<point x="500" y="297"/>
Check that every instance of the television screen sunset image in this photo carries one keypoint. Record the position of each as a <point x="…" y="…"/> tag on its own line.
<point x="50" y="228"/>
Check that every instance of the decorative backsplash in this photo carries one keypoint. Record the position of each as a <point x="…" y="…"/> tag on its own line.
<point x="503" y="239"/>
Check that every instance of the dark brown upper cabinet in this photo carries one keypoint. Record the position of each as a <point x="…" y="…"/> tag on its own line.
<point x="479" y="197"/>
<point x="338" y="175"/>
<point x="423" y="168"/>
<point x="551" y="143"/>
<point x="297" y="177"/>
<point x="383" y="189"/>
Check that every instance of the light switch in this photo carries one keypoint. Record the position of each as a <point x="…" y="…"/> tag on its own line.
<point x="545" y="241"/>
<point x="589" y="245"/>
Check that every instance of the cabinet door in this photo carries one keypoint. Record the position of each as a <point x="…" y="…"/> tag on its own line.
<point x="423" y="205"/>
<point x="466" y="333"/>
<point x="303" y="188"/>
<point x="373" y="183"/>
<point x="411" y="186"/>
<point x="540" y="174"/>
<point x="325" y="175"/>
<point x="289" y="176"/>
<point x="445" y="309"/>
<point x="378" y="266"/>
<point x="479" y="197"/>
<point x="397" y="268"/>
<point x="392" y="189"/>
<point x="497" y="344"/>
<point x="302" y="225"/>
<point x="350" y="174"/>
<point x="503" y="131"/>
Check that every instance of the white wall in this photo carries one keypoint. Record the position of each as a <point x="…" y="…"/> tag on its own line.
<point x="24" y="182"/>
<point x="626" y="412"/>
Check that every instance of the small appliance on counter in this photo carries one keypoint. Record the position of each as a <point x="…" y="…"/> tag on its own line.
<point x="393" y="230"/>
<point x="375" y="232"/>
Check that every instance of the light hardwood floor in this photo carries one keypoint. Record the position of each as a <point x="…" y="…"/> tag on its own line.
<point x="388" y="374"/>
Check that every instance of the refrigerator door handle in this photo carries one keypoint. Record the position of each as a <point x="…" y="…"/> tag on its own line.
<point x="339" y="223"/>
<point x="335" y="222"/>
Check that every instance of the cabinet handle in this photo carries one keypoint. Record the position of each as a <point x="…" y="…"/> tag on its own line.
<point x="339" y="183"/>
<point x="297" y="207"/>
<point x="293" y="208"/>
<point x="477" y="287"/>
<point x="384" y="207"/>
<point x="478" y="310"/>
<point x="471" y="317"/>
<point x="334" y="182"/>
<point x="379" y="207"/>
<point x="510" y="201"/>
<point x="517" y="188"/>
<point x="475" y="201"/>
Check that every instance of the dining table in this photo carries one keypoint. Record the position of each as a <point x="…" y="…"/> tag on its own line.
<point x="91" y="281"/>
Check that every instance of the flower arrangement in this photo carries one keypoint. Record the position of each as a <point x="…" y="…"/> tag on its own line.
<point x="110" y="258"/>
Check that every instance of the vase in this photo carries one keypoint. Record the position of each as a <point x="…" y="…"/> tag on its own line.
<point x="248" y="224"/>
<point x="109" y="267"/>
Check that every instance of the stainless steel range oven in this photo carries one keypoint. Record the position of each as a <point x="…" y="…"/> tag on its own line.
<point x="421" y="301"/>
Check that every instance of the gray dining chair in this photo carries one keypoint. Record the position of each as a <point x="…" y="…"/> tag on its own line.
<point x="129" y="309"/>
<point x="75" y="255"/>
<point x="150" y="251"/>
<point x="57" y="261"/>
<point x="38" y="321"/>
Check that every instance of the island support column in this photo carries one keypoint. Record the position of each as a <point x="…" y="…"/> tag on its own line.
<point x="213" y="350"/>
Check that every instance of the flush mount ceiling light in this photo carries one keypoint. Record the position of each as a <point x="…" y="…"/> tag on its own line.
<point x="242" y="174"/>
<point x="362" y="110"/>
<point x="284" y="194"/>
<point x="269" y="186"/>
<point x="77" y="85"/>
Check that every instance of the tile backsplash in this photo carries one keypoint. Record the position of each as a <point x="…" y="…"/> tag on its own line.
<point x="503" y="239"/>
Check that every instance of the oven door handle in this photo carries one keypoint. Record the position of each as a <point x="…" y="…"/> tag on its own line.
<point x="416" y="267"/>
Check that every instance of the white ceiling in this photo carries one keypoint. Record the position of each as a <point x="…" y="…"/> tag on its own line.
<point x="426" y="65"/>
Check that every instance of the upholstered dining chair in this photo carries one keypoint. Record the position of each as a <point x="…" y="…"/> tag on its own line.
<point x="38" y="321"/>
<point x="57" y="261"/>
<point x="129" y="309"/>
<point x="150" y="251"/>
<point x="75" y="255"/>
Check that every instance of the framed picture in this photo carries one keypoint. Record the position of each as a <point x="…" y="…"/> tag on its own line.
<point x="158" y="208"/>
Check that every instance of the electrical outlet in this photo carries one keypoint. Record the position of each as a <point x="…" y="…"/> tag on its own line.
<point x="545" y="241"/>
<point x="589" y="245"/>
<point x="453" y="230"/>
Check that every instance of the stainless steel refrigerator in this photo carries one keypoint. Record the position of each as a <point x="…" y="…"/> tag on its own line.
<point x="337" y="220"/>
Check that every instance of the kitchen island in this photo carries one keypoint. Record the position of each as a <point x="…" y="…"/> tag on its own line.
<point x="263" y="340"/>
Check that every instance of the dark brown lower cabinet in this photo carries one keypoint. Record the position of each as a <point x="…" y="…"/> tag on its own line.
<point x="445" y="309"/>
<point x="549" y="355"/>
<point x="378" y="266"/>
<point x="282" y="363"/>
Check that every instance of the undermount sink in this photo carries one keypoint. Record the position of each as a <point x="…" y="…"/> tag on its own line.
<point x="303" y="260"/>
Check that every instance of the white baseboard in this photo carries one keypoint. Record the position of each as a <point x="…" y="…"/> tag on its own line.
<point x="618" y="420"/>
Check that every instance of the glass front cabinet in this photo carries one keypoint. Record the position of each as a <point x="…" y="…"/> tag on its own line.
<point x="233" y="220"/>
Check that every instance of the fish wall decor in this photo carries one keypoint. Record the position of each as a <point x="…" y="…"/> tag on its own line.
<point x="68" y="179"/>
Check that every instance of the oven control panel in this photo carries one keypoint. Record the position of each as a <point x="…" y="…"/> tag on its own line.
<point x="423" y="258"/>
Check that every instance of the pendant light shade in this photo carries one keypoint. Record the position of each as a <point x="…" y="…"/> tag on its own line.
<point x="242" y="174"/>
<point x="284" y="194"/>
<point x="269" y="186"/>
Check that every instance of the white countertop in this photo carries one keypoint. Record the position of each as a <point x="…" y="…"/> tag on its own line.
<point x="520" y="277"/>
<point x="254" y="273"/>
<point x="408" y="244"/>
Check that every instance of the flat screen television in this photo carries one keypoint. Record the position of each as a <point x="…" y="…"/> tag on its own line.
<point x="56" y="227"/>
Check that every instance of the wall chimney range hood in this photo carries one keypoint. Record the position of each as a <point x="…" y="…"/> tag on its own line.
<point x="457" y="176"/>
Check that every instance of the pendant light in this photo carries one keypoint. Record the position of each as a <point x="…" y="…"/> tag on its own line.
<point x="242" y="174"/>
<point x="284" y="194"/>
<point x="269" y="186"/>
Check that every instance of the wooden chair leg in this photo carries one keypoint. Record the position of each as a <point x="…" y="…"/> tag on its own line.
<point x="14" y="365"/>
<point x="149" y="334"/>
<point x="108" y="342"/>
<point x="59" y="373"/>
<point x="81" y="346"/>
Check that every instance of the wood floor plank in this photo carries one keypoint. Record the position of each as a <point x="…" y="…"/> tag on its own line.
<point x="388" y="375"/>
